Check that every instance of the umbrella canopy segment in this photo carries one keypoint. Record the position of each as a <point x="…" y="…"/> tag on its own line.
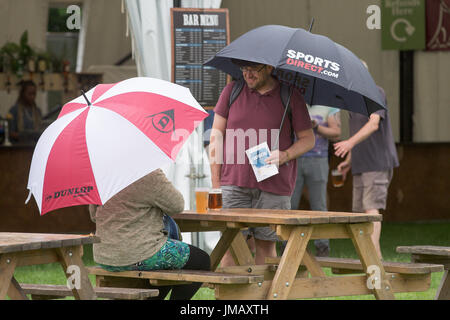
<point x="90" y="153"/>
<point x="327" y="73"/>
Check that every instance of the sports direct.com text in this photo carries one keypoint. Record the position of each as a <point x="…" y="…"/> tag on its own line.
<point x="315" y="64"/>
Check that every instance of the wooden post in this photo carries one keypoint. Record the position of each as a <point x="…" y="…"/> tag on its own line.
<point x="222" y="247"/>
<point x="8" y="264"/>
<point x="289" y="263"/>
<point x="72" y="256"/>
<point x="15" y="292"/>
<point x="312" y="265"/>
<point x="360" y="235"/>
<point x="240" y="251"/>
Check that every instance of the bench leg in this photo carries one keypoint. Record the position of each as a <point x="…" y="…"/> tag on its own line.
<point x="289" y="263"/>
<point x="222" y="246"/>
<point x="312" y="265"/>
<point x="240" y="251"/>
<point x="15" y="292"/>
<point x="8" y="264"/>
<point x="360" y="235"/>
<point x="443" y="292"/>
<point x="71" y="256"/>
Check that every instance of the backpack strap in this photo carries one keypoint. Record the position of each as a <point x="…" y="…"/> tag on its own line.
<point x="236" y="91"/>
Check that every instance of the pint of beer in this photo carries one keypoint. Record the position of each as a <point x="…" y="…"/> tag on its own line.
<point x="201" y="199"/>
<point x="337" y="179"/>
<point x="215" y="199"/>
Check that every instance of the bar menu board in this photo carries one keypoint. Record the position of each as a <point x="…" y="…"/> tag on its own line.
<point x="198" y="34"/>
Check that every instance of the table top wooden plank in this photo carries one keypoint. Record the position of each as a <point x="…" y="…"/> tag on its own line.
<point x="429" y="250"/>
<point x="14" y="241"/>
<point x="283" y="217"/>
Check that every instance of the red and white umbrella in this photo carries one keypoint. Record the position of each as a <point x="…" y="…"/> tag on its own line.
<point x="109" y="138"/>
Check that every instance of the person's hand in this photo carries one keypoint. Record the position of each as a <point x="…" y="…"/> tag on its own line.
<point x="314" y="124"/>
<point x="344" y="168"/>
<point x="342" y="148"/>
<point x="215" y="183"/>
<point x="278" y="158"/>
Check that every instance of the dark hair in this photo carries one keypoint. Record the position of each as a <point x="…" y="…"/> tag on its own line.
<point x="24" y="84"/>
<point x="244" y="63"/>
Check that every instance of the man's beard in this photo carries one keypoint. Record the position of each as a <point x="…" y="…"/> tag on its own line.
<point x="259" y="83"/>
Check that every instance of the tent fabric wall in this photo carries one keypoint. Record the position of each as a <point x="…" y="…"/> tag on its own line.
<point x="16" y="16"/>
<point x="206" y="4"/>
<point x="113" y="74"/>
<point x="106" y="40"/>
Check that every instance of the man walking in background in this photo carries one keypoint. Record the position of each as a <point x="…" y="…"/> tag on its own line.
<point x="370" y="152"/>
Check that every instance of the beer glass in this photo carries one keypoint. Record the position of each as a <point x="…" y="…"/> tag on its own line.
<point x="215" y="199"/>
<point x="337" y="179"/>
<point x="201" y="199"/>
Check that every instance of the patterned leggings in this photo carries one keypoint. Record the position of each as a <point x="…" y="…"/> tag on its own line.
<point x="173" y="254"/>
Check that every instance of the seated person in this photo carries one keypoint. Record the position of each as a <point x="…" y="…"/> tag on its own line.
<point x="25" y="123"/>
<point x="131" y="229"/>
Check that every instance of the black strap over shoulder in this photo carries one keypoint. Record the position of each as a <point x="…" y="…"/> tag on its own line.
<point x="236" y="91"/>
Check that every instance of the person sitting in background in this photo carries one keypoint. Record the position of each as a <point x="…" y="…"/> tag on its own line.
<point x="25" y="119"/>
<point x="133" y="238"/>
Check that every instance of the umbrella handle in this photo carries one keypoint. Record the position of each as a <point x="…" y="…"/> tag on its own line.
<point x="311" y="25"/>
<point x="275" y="146"/>
<point x="88" y="102"/>
<point x="288" y="102"/>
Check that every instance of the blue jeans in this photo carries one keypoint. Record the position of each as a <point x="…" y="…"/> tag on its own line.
<point x="312" y="173"/>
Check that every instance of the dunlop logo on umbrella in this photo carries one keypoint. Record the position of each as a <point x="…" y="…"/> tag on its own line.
<point x="164" y="121"/>
<point x="76" y="192"/>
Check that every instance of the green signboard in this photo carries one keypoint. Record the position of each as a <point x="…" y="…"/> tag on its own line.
<point x="403" y="24"/>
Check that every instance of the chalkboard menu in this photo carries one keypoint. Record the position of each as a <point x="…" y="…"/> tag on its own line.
<point x="198" y="34"/>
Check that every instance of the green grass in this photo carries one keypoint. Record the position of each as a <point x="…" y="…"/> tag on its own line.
<point x="393" y="235"/>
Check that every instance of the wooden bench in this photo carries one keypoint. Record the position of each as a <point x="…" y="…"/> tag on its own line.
<point x="141" y="279"/>
<point x="350" y="266"/>
<point x="49" y="291"/>
<point x="404" y="277"/>
<point x="432" y="254"/>
<point x="344" y="266"/>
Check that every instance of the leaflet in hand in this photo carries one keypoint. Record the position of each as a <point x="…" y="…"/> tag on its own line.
<point x="257" y="156"/>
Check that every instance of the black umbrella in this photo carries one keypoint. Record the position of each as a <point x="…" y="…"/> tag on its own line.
<point x="326" y="72"/>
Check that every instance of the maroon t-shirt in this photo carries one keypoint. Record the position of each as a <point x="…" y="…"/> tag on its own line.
<point x="252" y="119"/>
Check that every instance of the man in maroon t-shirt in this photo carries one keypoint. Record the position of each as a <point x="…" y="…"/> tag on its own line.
<point x="253" y="118"/>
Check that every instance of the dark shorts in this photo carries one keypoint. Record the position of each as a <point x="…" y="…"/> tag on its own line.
<point x="238" y="197"/>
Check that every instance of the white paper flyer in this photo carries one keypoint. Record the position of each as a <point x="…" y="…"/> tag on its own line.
<point x="257" y="156"/>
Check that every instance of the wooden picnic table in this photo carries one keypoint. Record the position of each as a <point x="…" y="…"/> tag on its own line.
<point x="22" y="249"/>
<point x="298" y="228"/>
<point x="432" y="254"/>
